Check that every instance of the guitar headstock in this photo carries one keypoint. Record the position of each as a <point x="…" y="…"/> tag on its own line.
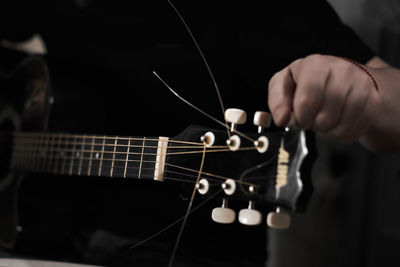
<point x="264" y="169"/>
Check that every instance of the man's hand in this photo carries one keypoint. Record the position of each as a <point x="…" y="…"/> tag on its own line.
<point x="336" y="98"/>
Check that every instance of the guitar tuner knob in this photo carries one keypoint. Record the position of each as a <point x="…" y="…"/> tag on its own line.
<point x="261" y="144"/>
<point x="233" y="142"/>
<point x="235" y="116"/>
<point x="250" y="216"/>
<point x="223" y="214"/>
<point x="229" y="187"/>
<point x="208" y="139"/>
<point x="203" y="186"/>
<point x="278" y="220"/>
<point x="262" y="119"/>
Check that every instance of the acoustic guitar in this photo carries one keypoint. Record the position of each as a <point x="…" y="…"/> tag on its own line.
<point x="265" y="169"/>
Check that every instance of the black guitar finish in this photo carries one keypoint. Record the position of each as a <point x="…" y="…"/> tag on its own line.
<point x="24" y="106"/>
<point x="26" y="147"/>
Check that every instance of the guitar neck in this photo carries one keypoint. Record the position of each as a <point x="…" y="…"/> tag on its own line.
<point x="87" y="155"/>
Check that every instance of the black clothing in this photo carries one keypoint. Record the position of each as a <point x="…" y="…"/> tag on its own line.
<point x="101" y="55"/>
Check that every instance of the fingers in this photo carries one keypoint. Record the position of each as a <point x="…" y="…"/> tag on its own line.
<point x="280" y="96"/>
<point x="327" y="94"/>
<point x="311" y="78"/>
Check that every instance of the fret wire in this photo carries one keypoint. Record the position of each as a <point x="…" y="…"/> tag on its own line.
<point x="102" y="153"/>
<point x="81" y="157"/>
<point x="51" y="147"/>
<point x="32" y="154"/>
<point x="46" y="143"/>
<point x="39" y="154"/>
<point x="113" y="158"/>
<point x="72" y="156"/>
<point x="64" y="159"/>
<point x="141" y="159"/>
<point x="127" y="156"/>
<point x="91" y="157"/>
<point x="59" y="148"/>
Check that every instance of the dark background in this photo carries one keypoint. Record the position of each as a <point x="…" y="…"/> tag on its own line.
<point x="101" y="56"/>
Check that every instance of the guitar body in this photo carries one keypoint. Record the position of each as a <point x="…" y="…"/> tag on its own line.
<point x="24" y="106"/>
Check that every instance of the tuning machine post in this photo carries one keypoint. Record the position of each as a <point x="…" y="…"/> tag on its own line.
<point x="208" y="139"/>
<point x="203" y="186"/>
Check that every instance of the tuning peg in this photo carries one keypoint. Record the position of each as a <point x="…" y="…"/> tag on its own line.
<point x="262" y="119"/>
<point x="208" y="139"/>
<point x="203" y="186"/>
<point x="229" y="187"/>
<point x="250" y="216"/>
<point x="235" y="116"/>
<point x="278" y="220"/>
<point x="223" y="214"/>
<point x="262" y="144"/>
<point x="233" y="142"/>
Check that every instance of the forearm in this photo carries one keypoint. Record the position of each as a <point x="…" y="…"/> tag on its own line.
<point x="384" y="132"/>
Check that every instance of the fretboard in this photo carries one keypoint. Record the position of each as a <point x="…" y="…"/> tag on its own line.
<point x="87" y="155"/>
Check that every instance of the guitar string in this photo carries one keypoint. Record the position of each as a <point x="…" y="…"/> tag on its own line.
<point x="39" y="134"/>
<point x="209" y="176"/>
<point x="205" y="63"/>
<point x="111" y="152"/>
<point x="59" y="140"/>
<point x="74" y="164"/>
<point x="58" y="143"/>
<point x="151" y="177"/>
<point x="178" y="220"/>
<point x="202" y="111"/>
<point x="178" y="239"/>
<point x="29" y="135"/>
<point x="54" y="149"/>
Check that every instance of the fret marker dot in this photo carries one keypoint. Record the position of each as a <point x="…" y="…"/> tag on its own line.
<point x="97" y="155"/>
<point x="77" y="154"/>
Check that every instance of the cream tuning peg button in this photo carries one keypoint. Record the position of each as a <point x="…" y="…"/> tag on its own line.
<point x="278" y="220"/>
<point x="262" y="119"/>
<point x="223" y="214"/>
<point x="250" y="216"/>
<point x="235" y="116"/>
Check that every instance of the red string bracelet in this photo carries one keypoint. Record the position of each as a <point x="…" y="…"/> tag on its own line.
<point x="365" y="70"/>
